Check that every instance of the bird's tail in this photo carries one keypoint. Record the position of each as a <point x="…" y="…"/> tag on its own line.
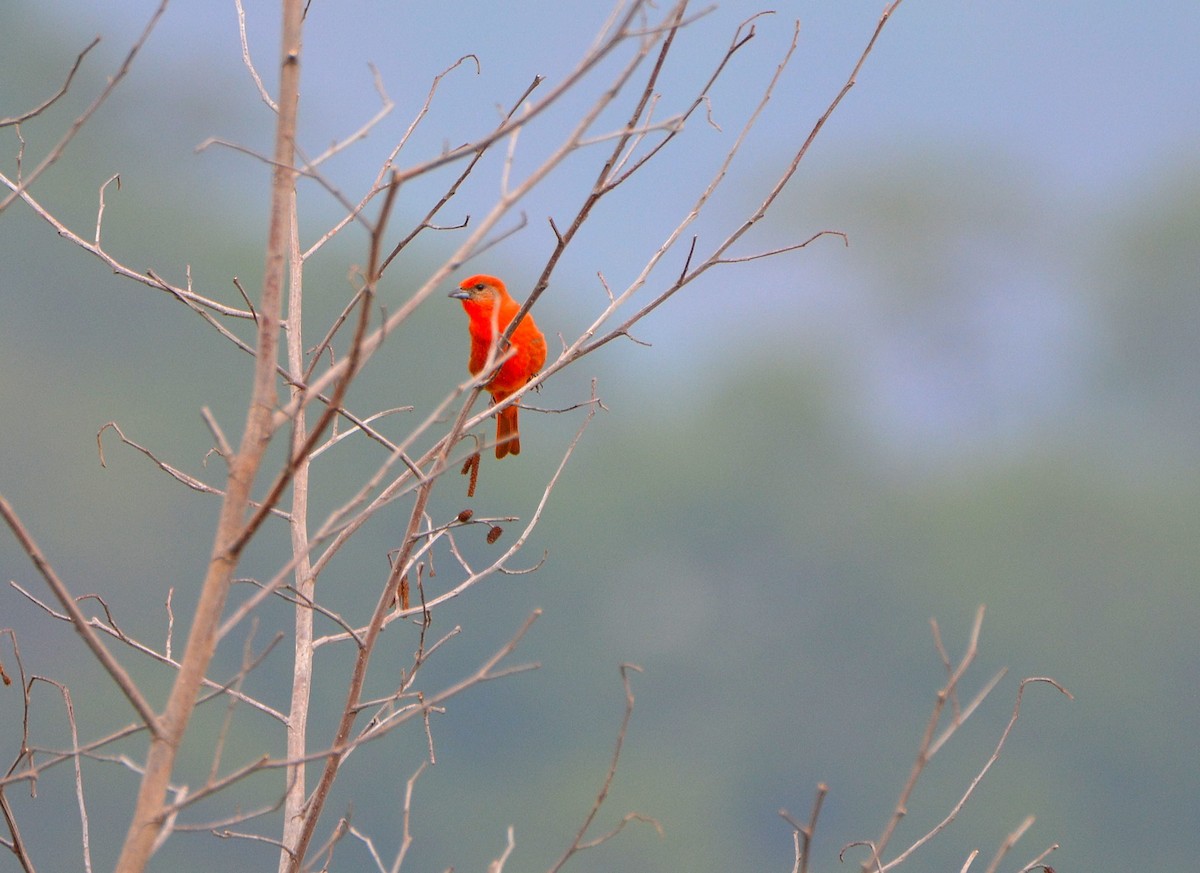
<point x="508" y="441"/>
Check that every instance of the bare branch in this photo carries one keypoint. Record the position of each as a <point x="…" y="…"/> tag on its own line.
<point x="357" y="428"/>
<point x="899" y="859"/>
<point x="149" y="652"/>
<point x="175" y="473"/>
<point x="248" y="63"/>
<point x="100" y="209"/>
<point x="17" y="844"/>
<point x="220" y="827"/>
<point x="301" y="453"/>
<point x="114" y="668"/>
<point x="194" y="301"/>
<point x="406" y="820"/>
<point x="385" y="108"/>
<point x="578" y="843"/>
<point x="334" y="756"/>
<point x="249" y="304"/>
<point x="228" y="542"/>
<point x="223" y="446"/>
<point x="18" y="189"/>
<point x="803" y="833"/>
<point x="387" y="168"/>
<point x="787" y="175"/>
<point x="497" y="865"/>
<point x="516" y="546"/>
<point x="587" y="344"/>
<point x="304" y="580"/>
<point x="466" y="171"/>
<point x="170" y="623"/>
<point x="785" y="249"/>
<point x="924" y="753"/>
<point x="85" y="837"/>
<point x="1009" y="842"/>
<point x="1036" y="863"/>
<point x="54" y="98"/>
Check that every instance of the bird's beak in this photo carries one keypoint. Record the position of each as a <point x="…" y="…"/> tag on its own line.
<point x="460" y="294"/>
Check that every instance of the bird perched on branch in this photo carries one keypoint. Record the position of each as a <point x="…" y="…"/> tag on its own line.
<point x="490" y="309"/>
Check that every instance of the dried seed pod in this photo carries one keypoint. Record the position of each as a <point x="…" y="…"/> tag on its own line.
<point x="471" y="466"/>
<point x="465" y="515"/>
<point x="494" y="533"/>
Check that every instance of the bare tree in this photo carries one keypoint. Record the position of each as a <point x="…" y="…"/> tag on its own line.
<point x="299" y="401"/>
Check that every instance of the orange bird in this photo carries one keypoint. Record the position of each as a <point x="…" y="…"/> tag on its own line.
<point x="489" y="310"/>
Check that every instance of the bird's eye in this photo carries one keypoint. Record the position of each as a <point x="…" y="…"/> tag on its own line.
<point x="479" y="286"/>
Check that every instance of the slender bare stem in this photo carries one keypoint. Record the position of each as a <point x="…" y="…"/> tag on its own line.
<point x="113" y="81"/>
<point x="79" y="621"/>
<point x="304" y="580"/>
<point x="578" y="843"/>
<point x="53" y="98"/>
<point x="229" y="540"/>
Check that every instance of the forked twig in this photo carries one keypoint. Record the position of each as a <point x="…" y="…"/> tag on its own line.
<point x="578" y="844"/>
<point x="85" y="835"/>
<point x="142" y="648"/>
<point x="342" y="744"/>
<point x="497" y="865"/>
<point x="387" y="167"/>
<point x="802" y="833"/>
<point x="995" y="756"/>
<point x="19" y="189"/>
<point x="929" y="744"/>
<point x="174" y="472"/>
<point x="78" y="621"/>
<point x="53" y="98"/>
<point x="926" y="749"/>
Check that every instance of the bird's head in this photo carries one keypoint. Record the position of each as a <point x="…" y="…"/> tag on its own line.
<point x="480" y="289"/>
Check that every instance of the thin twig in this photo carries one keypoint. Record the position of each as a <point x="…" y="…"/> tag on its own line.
<point x="387" y="167"/>
<point x="957" y="808"/>
<point x="406" y="839"/>
<point x="186" y="296"/>
<point x="924" y="753"/>
<point x="578" y="843"/>
<point x="385" y="107"/>
<point x="174" y="472"/>
<point x="1037" y="862"/>
<point x="1009" y="842"/>
<point x="114" y="80"/>
<point x="510" y="843"/>
<point x="78" y="621"/>
<point x="336" y="754"/>
<point x="248" y="63"/>
<point x="150" y="652"/>
<point x="54" y="98"/>
<point x="425" y="222"/>
<point x="85" y="837"/>
<point x="804" y="832"/>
